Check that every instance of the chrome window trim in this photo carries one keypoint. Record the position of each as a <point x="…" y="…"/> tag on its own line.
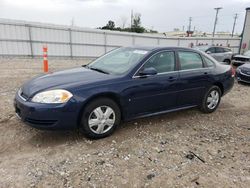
<point x="162" y="73"/>
<point x="178" y="71"/>
<point x="203" y="68"/>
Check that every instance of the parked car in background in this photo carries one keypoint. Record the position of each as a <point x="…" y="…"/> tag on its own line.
<point x="124" y="84"/>
<point x="238" y="60"/>
<point x="243" y="73"/>
<point x="221" y="54"/>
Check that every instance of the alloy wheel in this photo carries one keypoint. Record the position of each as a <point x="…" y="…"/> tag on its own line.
<point x="213" y="99"/>
<point x="101" y="119"/>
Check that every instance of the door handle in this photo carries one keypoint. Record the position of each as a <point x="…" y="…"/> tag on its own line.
<point x="171" y="78"/>
<point x="205" y="73"/>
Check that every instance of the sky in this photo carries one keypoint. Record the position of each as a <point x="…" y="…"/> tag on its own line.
<point x="161" y="15"/>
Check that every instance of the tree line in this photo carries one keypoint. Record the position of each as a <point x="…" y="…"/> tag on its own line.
<point x="136" y="26"/>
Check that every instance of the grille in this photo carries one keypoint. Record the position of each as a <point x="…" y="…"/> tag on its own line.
<point x="245" y="78"/>
<point x="241" y="59"/>
<point x="24" y="96"/>
<point x="246" y="71"/>
<point x="40" y="122"/>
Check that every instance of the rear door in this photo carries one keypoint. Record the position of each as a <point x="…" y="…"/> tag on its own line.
<point x="212" y="52"/>
<point x="149" y="94"/>
<point x="220" y="54"/>
<point x="194" y="78"/>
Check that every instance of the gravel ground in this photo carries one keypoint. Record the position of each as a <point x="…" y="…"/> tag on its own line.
<point x="181" y="149"/>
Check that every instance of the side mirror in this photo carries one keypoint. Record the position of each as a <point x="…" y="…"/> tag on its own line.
<point x="148" y="72"/>
<point x="208" y="52"/>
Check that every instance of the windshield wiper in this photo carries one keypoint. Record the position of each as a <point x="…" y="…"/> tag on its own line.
<point x="98" y="70"/>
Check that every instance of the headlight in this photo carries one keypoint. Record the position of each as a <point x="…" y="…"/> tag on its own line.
<point x="52" y="96"/>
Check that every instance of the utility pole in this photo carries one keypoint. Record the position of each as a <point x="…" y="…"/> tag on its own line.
<point x="235" y="18"/>
<point x="189" y="27"/>
<point x="72" y="22"/>
<point x="190" y="23"/>
<point x="131" y="19"/>
<point x="216" y="18"/>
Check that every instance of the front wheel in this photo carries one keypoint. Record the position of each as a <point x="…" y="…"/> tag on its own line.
<point x="100" y="118"/>
<point x="211" y="100"/>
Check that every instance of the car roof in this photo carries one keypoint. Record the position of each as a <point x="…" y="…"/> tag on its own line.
<point x="156" y="48"/>
<point x="209" y="46"/>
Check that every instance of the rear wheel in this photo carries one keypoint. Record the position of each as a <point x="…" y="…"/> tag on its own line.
<point x="100" y="118"/>
<point x="211" y="100"/>
<point x="227" y="61"/>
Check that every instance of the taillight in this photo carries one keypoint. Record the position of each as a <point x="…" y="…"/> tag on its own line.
<point x="232" y="71"/>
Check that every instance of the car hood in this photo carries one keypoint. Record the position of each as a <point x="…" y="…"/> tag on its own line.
<point x="241" y="56"/>
<point x="61" y="79"/>
<point x="245" y="66"/>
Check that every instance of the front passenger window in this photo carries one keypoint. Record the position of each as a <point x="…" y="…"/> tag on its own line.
<point x="162" y="62"/>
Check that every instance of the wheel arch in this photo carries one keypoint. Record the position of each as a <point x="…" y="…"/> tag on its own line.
<point x="220" y="85"/>
<point x="110" y="95"/>
<point x="227" y="60"/>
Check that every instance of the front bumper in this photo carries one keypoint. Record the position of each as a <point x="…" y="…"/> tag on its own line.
<point x="48" y="116"/>
<point x="242" y="77"/>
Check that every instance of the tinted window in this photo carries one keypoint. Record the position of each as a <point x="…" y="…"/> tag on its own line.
<point x="162" y="62"/>
<point x="212" y="50"/>
<point x="209" y="62"/>
<point x="227" y="50"/>
<point x="220" y="50"/>
<point x="190" y="60"/>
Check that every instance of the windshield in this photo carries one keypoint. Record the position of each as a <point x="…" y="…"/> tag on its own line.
<point x="247" y="53"/>
<point x="118" y="61"/>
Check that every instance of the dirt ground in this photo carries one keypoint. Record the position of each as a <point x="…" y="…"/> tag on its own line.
<point x="181" y="149"/>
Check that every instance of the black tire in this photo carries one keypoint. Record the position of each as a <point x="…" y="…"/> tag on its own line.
<point x="205" y="106"/>
<point x="227" y="61"/>
<point x="88" y="111"/>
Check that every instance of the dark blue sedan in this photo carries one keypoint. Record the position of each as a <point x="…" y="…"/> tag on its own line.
<point x="243" y="73"/>
<point x="126" y="83"/>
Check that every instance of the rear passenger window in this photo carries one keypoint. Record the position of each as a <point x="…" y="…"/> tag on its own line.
<point x="212" y="50"/>
<point x="162" y="62"/>
<point x="209" y="62"/>
<point x="190" y="60"/>
<point x="227" y="50"/>
<point x="219" y="50"/>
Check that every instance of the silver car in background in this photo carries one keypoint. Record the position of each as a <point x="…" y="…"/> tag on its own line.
<point x="221" y="54"/>
<point x="238" y="60"/>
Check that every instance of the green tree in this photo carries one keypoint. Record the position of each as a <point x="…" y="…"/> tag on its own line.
<point x="110" y="25"/>
<point x="136" y="24"/>
<point x="135" y="27"/>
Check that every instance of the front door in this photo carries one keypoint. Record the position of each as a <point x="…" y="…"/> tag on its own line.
<point x="150" y="94"/>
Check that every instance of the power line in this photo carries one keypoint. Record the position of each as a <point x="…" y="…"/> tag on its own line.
<point x="235" y="18"/>
<point x="216" y="18"/>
